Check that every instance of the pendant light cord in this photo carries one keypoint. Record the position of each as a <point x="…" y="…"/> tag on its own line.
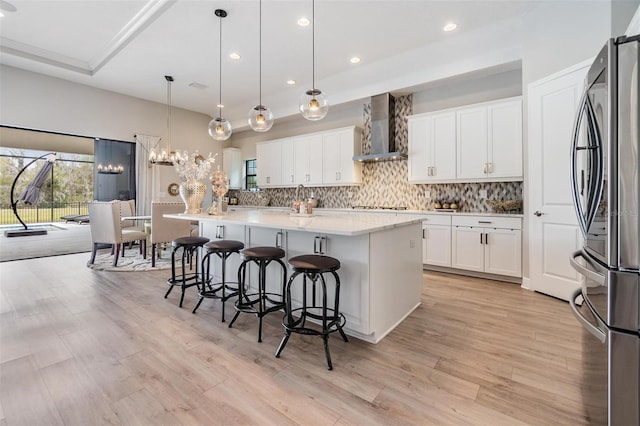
<point x="260" y="57"/>
<point x="168" y="115"/>
<point x="220" y="73"/>
<point x="313" y="45"/>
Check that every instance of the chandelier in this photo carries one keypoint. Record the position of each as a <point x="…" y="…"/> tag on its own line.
<point x="164" y="156"/>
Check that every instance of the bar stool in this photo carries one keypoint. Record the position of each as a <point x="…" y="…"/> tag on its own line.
<point x="189" y="246"/>
<point x="259" y="303"/>
<point x="313" y="266"/>
<point x="223" y="249"/>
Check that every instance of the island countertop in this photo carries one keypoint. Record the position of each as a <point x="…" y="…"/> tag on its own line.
<point x="336" y="223"/>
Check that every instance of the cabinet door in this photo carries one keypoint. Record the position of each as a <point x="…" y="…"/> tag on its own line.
<point x="471" y="142"/>
<point x="467" y="248"/>
<point x="504" y="151"/>
<point x="269" y="164"/>
<point x="436" y="245"/>
<point x="268" y="237"/>
<point x="443" y="146"/>
<point x="503" y="252"/>
<point x="288" y="162"/>
<point x="419" y="149"/>
<point x="308" y="159"/>
<point x="232" y="167"/>
<point x="339" y="147"/>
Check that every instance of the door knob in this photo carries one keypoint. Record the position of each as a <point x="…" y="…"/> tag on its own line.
<point x="538" y="213"/>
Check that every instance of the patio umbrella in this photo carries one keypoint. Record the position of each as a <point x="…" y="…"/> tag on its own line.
<point x="31" y="194"/>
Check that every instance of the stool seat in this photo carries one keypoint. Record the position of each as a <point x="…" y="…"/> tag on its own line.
<point x="224" y="245"/>
<point x="263" y="253"/>
<point x="189" y="241"/>
<point x="314" y="263"/>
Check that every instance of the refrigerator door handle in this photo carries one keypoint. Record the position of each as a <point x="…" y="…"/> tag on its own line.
<point x="594" y="276"/>
<point x="596" y="331"/>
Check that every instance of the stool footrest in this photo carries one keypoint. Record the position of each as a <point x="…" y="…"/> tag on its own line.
<point x="215" y="288"/>
<point x="246" y="304"/>
<point x="333" y="323"/>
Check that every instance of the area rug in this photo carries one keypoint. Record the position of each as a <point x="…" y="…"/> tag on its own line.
<point x="131" y="262"/>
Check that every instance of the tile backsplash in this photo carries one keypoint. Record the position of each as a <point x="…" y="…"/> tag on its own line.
<point x="385" y="183"/>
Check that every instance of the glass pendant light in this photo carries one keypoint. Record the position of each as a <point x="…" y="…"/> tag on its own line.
<point x="260" y="117"/>
<point x="313" y="103"/>
<point x="220" y="128"/>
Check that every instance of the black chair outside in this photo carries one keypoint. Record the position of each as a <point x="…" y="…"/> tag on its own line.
<point x="259" y="303"/>
<point x="190" y="248"/>
<point x="313" y="267"/>
<point x="222" y="290"/>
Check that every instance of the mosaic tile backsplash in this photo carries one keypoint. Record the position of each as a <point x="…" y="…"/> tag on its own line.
<point x="385" y="184"/>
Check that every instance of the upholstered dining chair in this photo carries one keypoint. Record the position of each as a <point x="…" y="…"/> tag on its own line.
<point x="106" y="228"/>
<point x="165" y="230"/>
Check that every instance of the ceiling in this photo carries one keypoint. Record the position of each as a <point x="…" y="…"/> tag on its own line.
<point x="128" y="46"/>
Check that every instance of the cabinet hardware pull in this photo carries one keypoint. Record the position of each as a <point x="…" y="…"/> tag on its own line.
<point x="485" y="168"/>
<point x="220" y="231"/>
<point x="481" y="238"/>
<point x="279" y="237"/>
<point x="292" y="178"/>
<point x="486" y="238"/>
<point x="322" y="239"/>
<point x="315" y="244"/>
<point x="538" y="213"/>
<point x="490" y="167"/>
<point x="423" y="237"/>
<point x="484" y="221"/>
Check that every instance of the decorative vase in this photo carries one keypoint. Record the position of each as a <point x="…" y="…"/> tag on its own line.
<point x="216" y="206"/>
<point x="192" y="193"/>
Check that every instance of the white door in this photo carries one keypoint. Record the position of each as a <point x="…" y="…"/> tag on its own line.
<point x="553" y="232"/>
<point x="471" y="142"/>
<point x="505" y="139"/>
<point x="467" y="248"/>
<point x="436" y="245"/>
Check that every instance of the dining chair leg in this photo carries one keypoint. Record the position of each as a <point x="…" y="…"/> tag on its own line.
<point x="153" y="255"/>
<point x="93" y="253"/>
<point x="116" y="255"/>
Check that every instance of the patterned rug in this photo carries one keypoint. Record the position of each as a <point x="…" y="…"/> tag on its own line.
<point x="131" y="262"/>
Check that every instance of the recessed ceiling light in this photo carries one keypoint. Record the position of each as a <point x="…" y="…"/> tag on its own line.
<point x="234" y="55"/>
<point x="450" y="27"/>
<point x="291" y="82"/>
<point x="304" y="22"/>
<point x="219" y="106"/>
<point x="1" y="14"/>
<point x="354" y="60"/>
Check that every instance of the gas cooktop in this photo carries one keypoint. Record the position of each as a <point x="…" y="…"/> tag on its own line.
<point x="379" y="207"/>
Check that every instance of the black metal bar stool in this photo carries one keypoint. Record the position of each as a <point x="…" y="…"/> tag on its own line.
<point x="259" y="303"/>
<point x="313" y="266"/>
<point x="222" y="290"/>
<point x="189" y="246"/>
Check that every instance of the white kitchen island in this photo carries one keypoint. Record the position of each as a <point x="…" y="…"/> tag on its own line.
<point x="380" y="256"/>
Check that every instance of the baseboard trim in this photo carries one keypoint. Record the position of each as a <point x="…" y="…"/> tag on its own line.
<point x="514" y="280"/>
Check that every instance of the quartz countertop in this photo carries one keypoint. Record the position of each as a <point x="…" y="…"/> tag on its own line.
<point x="344" y="222"/>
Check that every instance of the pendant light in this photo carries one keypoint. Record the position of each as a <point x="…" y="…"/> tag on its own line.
<point x="313" y="103"/>
<point x="260" y="117"/>
<point x="220" y="128"/>
<point x="165" y="157"/>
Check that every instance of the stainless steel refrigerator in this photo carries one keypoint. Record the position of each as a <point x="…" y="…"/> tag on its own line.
<point x="606" y="190"/>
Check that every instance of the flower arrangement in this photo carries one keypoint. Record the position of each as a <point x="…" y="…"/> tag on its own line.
<point x="194" y="166"/>
<point x="219" y="182"/>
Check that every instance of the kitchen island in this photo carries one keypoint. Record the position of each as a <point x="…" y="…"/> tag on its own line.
<point x="380" y="256"/>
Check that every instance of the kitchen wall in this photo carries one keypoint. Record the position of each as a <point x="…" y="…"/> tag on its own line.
<point x="386" y="184"/>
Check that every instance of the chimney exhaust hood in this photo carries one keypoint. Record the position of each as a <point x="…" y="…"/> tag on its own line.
<point x="383" y="134"/>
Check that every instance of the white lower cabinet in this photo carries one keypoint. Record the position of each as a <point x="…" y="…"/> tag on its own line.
<point x="436" y="240"/>
<point x="352" y="252"/>
<point x="487" y="244"/>
<point x="223" y="232"/>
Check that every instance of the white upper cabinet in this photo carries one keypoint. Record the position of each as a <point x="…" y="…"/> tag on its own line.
<point x="432" y="147"/>
<point x="288" y="161"/>
<point x="269" y="164"/>
<point x="489" y="140"/>
<point x="339" y="147"/>
<point x="481" y="142"/>
<point x="323" y="158"/>
<point x="308" y="159"/>
<point x="232" y="167"/>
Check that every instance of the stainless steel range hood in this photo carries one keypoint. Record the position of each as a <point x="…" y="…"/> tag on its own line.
<point x="383" y="135"/>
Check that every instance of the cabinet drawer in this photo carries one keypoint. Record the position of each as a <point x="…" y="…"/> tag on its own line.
<point x="487" y="221"/>
<point x="436" y="219"/>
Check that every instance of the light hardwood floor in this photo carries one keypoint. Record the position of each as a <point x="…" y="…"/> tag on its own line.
<point x="83" y="347"/>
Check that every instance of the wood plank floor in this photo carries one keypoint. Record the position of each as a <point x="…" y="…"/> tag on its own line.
<point x="84" y="347"/>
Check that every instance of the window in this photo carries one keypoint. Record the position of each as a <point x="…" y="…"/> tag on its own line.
<point x="251" y="179"/>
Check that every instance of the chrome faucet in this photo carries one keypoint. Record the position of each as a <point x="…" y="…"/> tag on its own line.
<point x="300" y="187"/>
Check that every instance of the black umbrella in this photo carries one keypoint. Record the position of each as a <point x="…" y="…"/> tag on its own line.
<point x="31" y="194"/>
